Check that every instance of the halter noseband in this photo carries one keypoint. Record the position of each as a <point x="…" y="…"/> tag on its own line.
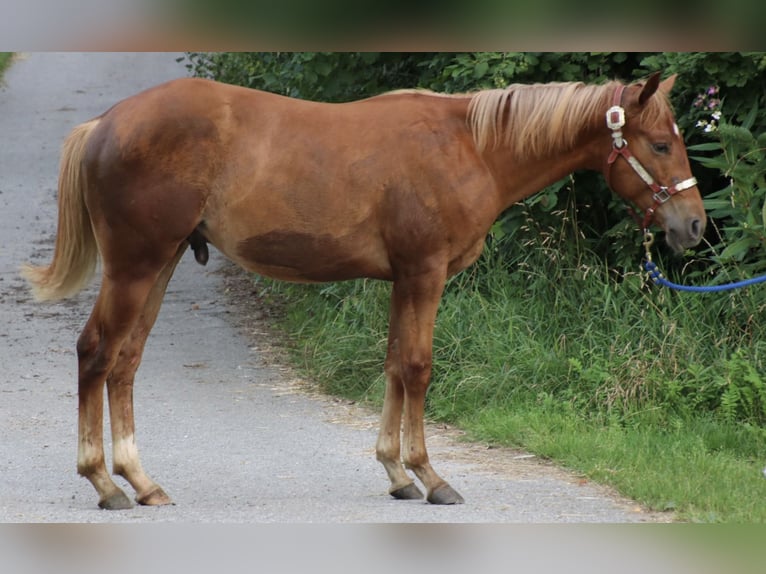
<point x="615" y="120"/>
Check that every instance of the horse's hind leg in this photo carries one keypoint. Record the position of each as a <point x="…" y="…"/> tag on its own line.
<point x="114" y="314"/>
<point x="118" y="310"/>
<point x="120" y="389"/>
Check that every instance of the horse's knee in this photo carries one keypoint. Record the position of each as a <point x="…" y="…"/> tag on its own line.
<point x="416" y="373"/>
<point x="418" y="367"/>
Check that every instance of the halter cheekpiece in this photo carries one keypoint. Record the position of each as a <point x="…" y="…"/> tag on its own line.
<point x="615" y="120"/>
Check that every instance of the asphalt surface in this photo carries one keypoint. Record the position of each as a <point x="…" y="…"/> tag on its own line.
<point x="229" y="435"/>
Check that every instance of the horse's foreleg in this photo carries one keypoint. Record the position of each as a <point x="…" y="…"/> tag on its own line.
<point x="120" y="387"/>
<point x="416" y="456"/>
<point x="387" y="449"/>
<point x="415" y="303"/>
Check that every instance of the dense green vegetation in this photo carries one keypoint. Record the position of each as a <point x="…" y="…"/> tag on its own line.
<point x="553" y="341"/>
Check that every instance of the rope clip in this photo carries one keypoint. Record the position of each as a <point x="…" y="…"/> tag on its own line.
<point x="648" y="242"/>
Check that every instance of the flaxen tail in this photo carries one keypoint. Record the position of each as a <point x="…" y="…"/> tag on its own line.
<point x="76" y="252"/>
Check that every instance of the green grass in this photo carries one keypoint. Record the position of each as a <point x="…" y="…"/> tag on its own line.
<point x="659" y="394"/>
<point x="687" y="471"/>
<point x="5" y="61"/>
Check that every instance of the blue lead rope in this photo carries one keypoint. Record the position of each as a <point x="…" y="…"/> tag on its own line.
<point x="659" y="279"/>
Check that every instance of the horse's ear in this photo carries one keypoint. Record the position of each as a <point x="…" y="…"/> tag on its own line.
<point x="649" y="88"/>
<point x="667" y="84"/>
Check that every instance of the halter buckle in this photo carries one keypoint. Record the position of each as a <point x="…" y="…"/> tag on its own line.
<point x="662" y="195"/>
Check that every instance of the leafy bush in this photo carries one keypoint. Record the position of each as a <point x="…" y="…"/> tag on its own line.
<point x="738" y="76"/>
<point x="324" y="76"/>
<point x="740" y="206"/>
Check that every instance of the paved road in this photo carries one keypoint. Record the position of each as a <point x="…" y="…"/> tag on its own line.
<point x="229" y="437"/>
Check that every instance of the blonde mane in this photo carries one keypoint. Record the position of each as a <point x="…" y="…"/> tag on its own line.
<point x="539" y="119"/>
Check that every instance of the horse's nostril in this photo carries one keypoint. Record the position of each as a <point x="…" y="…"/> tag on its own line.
<point x="695" y="228"/>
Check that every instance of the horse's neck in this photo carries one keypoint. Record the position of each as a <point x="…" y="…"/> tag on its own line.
<point x="518" y="179"/>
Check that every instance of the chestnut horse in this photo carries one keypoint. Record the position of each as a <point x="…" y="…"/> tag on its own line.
<point x="401" y="187"/>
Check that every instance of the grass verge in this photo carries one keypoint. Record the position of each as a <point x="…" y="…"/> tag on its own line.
<point x="686" y="471"/>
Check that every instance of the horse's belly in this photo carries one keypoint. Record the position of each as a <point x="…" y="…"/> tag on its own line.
<point x="299" y="256"/>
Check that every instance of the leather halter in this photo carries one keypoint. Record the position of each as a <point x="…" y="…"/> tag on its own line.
<point x="615" y="120"/>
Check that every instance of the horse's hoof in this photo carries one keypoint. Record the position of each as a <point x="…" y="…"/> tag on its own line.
<point x="445" y="494"/>
<point x="156" y="497"/>
<point x="409" y="492"/>
<point x="117" y="501"/>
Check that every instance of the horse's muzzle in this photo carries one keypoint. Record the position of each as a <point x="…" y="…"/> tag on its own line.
<point x="685" y="233"/>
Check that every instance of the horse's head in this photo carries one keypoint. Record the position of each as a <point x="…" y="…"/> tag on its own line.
<point x="648" y="165"/>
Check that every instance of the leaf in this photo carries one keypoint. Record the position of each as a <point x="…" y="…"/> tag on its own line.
<point x="719" y="162"/>
<point x="497" y="231"/>
<point x="714" y="204"/>
<point x="737" y="250"/>
<point x="711" y="146"/>
<point x="752" y="114"/>
<point x="480" y="70"/>
<point x="322" y="68"/>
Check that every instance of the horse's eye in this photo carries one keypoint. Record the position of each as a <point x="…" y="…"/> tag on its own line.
<point x="661" y="148"/>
